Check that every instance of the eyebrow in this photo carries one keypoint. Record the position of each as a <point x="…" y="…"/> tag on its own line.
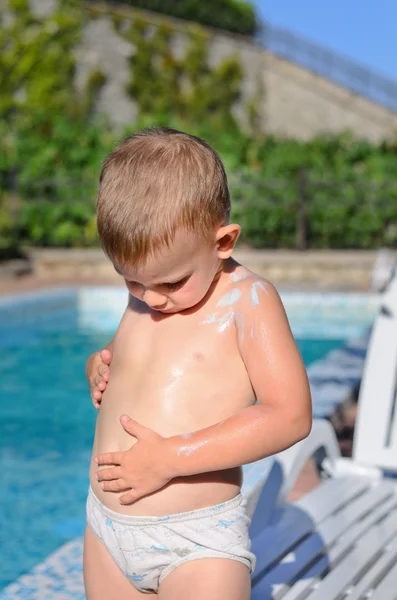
<point x="171" y="280"/>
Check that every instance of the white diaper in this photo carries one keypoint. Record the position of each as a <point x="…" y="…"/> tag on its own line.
<point x="148" y="548"/>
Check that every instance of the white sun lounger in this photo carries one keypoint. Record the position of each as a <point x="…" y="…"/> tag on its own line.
<point x="339" y="542"/>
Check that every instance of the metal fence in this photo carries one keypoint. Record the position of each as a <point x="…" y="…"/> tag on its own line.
<point x="319" y="60"/>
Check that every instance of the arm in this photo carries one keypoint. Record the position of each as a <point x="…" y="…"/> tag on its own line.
<point x="282" y="416"/>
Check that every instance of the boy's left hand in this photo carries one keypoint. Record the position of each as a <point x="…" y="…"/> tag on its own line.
<point x="143" y="467"/>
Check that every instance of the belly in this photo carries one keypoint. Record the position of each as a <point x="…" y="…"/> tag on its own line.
<point x="180" y="495"/>
<point x="168" y="412"/>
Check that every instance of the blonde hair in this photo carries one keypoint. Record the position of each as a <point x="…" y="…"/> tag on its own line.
<point x="157" y="181"/>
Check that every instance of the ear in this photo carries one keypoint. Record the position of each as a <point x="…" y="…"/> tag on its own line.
<point x="226" y="238"/>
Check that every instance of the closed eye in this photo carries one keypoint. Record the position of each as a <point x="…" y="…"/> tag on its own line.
<point x="175" y="285"/>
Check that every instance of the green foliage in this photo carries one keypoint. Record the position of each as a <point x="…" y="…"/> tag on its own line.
<point x="44" y="147"/>
<point x="349" y="185"/>
<point x="8" y="240"/>
<point x="155" y="72"/>
<point x="232" y="15"/>
<point x="51" y="145"/>
<point x="36" y="60"/>
<point x="48" y="180"/>
<point x="57" y="223"/>
<point x="37" y="64"/>
<point x="186" y="87"/>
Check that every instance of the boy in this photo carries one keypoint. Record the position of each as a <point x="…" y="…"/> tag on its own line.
<point x="202" y="338"/>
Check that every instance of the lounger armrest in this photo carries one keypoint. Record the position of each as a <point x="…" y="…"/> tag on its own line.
<point x="343" y="467"/>
<point x="321" y="438"/>
<point x="283" y="471"/>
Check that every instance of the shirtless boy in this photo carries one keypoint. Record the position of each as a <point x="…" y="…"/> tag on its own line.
<point x="201" y="340"/>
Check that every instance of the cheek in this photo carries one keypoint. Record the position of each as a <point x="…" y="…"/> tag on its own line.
<point x="134" y="290"/>
<point x="193" y="291"/>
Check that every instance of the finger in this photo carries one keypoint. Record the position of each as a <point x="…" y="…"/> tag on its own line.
<point x="108" y="474"/>
<point x="97" y="380"/>
<point x="97" y="395"/>
<point x="106" y="356"/>
<point x="104" y="372"/>
<point x="99" y="384"/>
<point x="109" y="458"/>
<point x="133" y="427"/>
<point x="96" y="403"/>
<point x="128" y="498"/>
<point x="118" y="485"/>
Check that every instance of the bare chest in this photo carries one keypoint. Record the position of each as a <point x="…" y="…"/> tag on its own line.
<point x="201" y="340"/>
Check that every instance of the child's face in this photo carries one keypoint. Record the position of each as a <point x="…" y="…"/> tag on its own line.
<point x="177" y="279"/>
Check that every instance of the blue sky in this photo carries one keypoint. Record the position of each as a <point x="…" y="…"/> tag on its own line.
<point x="363" y="30"/>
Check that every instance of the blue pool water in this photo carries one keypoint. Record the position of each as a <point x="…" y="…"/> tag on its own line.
<point x="47" y="423"/>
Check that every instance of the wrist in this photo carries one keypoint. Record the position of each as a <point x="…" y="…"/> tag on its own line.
<point x="172" y="464"/>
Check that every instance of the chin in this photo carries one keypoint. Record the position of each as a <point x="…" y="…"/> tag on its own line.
<point x="175" y="310"/>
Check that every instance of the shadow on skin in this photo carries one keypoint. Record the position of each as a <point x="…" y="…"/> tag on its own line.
<point x="141" y="307"/>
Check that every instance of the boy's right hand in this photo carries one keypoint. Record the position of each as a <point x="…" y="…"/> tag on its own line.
<point x="98" y="373"/>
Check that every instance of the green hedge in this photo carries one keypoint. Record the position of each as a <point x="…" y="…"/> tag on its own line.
<point x="49" y="167"/>
<point x="232" y="15"/>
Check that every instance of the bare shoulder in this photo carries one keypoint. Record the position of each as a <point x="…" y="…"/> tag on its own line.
<point x="253" y="292"/>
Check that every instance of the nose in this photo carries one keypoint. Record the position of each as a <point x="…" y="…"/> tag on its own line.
<point x="154" y="299"/>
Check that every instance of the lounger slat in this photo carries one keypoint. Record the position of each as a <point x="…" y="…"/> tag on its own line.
<point x="360" y="513"/>
<point x="286" y="571"/>
<point x="275" y="541"/>
<point x="388" y="587"/>
<point x="302" y="588"/>
<point x="392" y="440"/>
<point x="294" y="524"/>
<point x="326" y="538"/>
<point x="333" y="495"/>
<point x="367" y="551"/>
<point x="376" y="573"/>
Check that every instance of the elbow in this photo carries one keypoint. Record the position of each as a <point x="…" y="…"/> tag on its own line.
<point x="304" y="418"/>
<point x="304" y="429"/>
<point x="301" y="426"/>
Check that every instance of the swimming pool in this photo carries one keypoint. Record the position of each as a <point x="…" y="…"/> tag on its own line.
<point x="47" y="419"/>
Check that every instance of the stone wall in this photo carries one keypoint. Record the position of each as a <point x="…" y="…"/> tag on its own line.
<point x="291" y="101"/>
<point x="300" y="104"/>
